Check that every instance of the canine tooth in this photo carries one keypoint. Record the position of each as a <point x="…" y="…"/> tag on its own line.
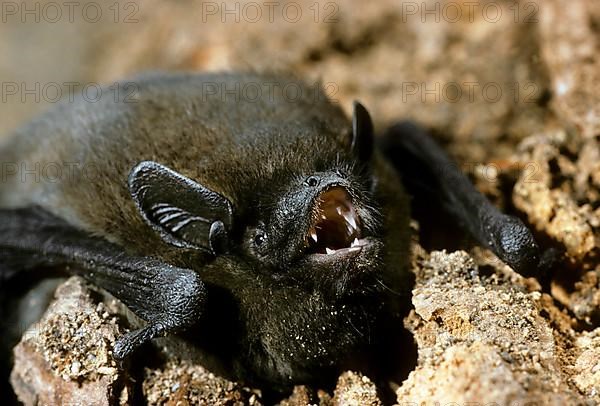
<point x="313" y="235"/>
<point x="329" y="251"/>
<point x="339" y="210"/>
<point x="355" y="243"/>
<point x="350" y="219"/>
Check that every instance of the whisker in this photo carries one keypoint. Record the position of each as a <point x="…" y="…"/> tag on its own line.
<point x="386" y="287"/>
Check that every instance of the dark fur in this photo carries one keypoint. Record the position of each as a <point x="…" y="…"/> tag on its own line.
<point x="270" y="317"/>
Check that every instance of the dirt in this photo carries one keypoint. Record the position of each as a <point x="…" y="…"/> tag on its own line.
<point x="484" y="334"/>
<point x="181" y="383"/>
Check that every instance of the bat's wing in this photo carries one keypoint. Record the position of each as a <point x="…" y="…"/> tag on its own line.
<point x="167" y="297"/>
<point x="426" y="169"/>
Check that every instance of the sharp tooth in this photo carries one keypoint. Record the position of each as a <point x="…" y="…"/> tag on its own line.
<point x="313" y="235"/>
<point x="329" y="251"/>
<point x="350" y="219"/>
<point x="339" y="210"/>
<point x="355" y="243"/>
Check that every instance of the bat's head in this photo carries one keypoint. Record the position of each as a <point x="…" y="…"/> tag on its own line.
<point x="321" y="227"/>
<point x="317" y="227"/>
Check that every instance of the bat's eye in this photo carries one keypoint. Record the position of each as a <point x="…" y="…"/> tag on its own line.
<point x="312" y="181"/>
<point x="260" y="239"/>
<point x="260" y="236"/>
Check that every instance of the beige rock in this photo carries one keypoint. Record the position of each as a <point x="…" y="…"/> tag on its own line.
<point x="355" y="390"/>
<point x="66" y="358"/>
<point x="182" y="383"/>
<point x="587" y="365"/>
<point x="557" y="192"/>
<point x="569" y="48"/>
<point x="481" y="339"/>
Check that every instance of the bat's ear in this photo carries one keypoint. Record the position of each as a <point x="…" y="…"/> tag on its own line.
<point x="362" y="132"/>
<point x="185" y="213"/>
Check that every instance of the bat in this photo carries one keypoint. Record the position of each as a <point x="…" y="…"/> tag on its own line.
<point x="267" y="230"/>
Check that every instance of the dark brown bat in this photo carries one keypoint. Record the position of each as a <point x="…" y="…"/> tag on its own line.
<point x="262" y="229"/>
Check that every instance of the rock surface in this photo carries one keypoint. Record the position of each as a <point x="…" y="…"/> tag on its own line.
<point x="483" y="339"/>
<point x="559" y="193"/>
<point x="66" y="358"/>
<point x="182" y="383"/>
<point x="569" y="48"/>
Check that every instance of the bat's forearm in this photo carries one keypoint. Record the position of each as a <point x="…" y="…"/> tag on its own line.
<point x="168" y="297"/>
<point x="426" y="166"/>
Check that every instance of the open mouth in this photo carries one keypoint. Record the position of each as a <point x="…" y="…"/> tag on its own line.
<point x="337" y="227"/>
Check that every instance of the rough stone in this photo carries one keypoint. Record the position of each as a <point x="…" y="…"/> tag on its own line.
<point x="66" y="358"/>
<point x="483" y="339"/>
<point x="559" y="192"/>
<point x="569" y="48"/>
<point x="182" y="383"/>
